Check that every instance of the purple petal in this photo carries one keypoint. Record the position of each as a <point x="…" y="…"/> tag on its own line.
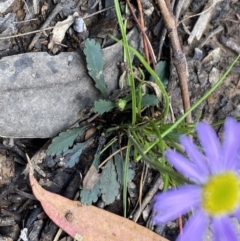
<point x="223" y="229"/>
<point x="195" y="155"/>
<point x="211" y="146"/>
<point x="231" y="144"/>
<point x="195" y="228"/>
<point x="171" y="204"/>
<point x="185" y="166"/>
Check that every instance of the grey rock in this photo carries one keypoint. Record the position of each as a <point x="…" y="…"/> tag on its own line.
<point x="41" y="95"/>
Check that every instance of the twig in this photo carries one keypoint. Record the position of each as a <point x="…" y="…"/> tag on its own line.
<point x="215" y="31"/>
<point x="25" y="194"/>
<point x="36" y="6"/>
<point x="230" y="44"/>
<point x="147" y="199"/>
<point x="113" y="154"/>
<point x="179" y="59"/>
<point x="142" y="27"/>
<point x="28" y="33"/>
<point x="25" y="21"/>
<point x="26" y="6"/>
<point x="161" y="42"/>
<point x="144" y="34"/>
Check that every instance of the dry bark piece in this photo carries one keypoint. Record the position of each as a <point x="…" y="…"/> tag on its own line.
<point x="59" y="31"/>
<point x="7" y="167"/>
<point x="214" y="76"/>
<point x="91" y="179"/>
<point x="212" y="58"/>
<point x="89" y="223"/>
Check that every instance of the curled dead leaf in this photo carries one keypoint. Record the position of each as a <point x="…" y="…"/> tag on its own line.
<point x="60" y="30"/>
<point x="156" y="89"/>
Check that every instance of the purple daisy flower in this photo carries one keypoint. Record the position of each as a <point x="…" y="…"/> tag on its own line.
<point x="215" y="195"/>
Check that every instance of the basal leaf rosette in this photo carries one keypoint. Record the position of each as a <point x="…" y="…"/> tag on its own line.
<point x="214" y="197"/>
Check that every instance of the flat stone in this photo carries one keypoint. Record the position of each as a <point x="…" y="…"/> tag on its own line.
<point x="41" y="95"/>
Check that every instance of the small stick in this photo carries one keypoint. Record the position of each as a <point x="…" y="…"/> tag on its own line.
<point x="215" y="31"/>
<point x="143" y="32"/>
<point x="142" y="27"/>
<point x="230" y="44"/>
<point x="161" y="42"/>
<point x="31" y="169"/>
<point x="147" y="199"/>
<point x="179" y="59"/>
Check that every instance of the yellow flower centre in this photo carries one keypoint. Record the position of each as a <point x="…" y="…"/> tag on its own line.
<point x="221" y="194"/>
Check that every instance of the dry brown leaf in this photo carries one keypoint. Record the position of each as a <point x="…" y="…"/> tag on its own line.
<point x="155" y="88"/>
<point x="89" y="223"/>
<point x="92" y="177"/>
<point x="60" y="30"/>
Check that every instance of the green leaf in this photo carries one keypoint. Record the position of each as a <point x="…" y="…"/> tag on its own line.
<point x="162" y="72"/>
<point x="109" y="184"/>
<point x="149" y="100"/>
<point x="102" y="106"/>
<point x="119" y="168"/>
<point x="61" y="143"/>
<point x="74" y="149"/>
<point x="94" y="57"/>
<point x="119" y="164"/>
<point x="96" y="159"/>
<point x="89" y="196"/>
<point x="75" y="157"/>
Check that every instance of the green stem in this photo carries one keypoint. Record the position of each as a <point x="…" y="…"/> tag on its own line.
<point x="155" y="164"/>
<point x="128" y="58"/>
